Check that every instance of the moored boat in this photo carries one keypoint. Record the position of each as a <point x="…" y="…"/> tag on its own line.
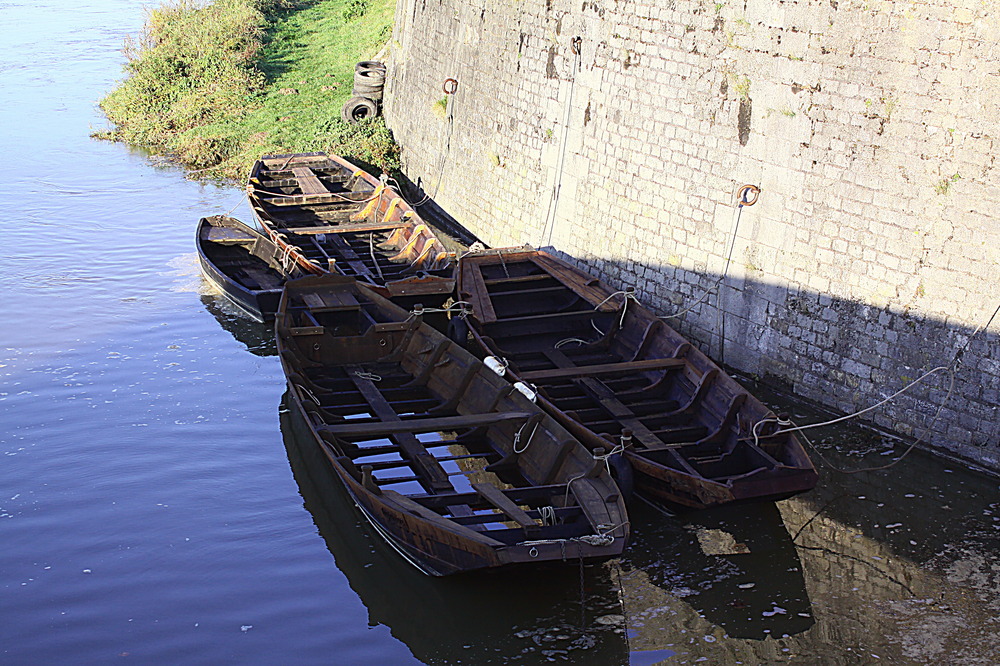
<point x="448" y="461"/>
<point x="243" y="264"/>
<point x="617" y="376"/>
<point x="334" y="217"/>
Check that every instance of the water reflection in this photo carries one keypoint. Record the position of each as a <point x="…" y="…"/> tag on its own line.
<point x="736" y="566"/>
<point x="563" y="613"/>
<point x="258" y="338"/>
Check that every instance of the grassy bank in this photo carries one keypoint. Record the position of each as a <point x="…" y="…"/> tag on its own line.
<point x="216" y="85"/>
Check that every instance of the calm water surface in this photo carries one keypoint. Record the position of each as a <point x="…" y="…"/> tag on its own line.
<point x="158" y="506"/>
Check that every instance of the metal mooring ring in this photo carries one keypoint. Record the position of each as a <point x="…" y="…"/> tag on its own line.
<point x="450" y="86"/>
<point x="741" y="196"/>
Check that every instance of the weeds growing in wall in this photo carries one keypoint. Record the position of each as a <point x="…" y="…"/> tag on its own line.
<point x="217" y="84"/>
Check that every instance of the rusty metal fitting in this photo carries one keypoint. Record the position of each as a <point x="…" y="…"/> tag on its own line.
<point x="450" y="86"/>
<point x="741" y="195"/>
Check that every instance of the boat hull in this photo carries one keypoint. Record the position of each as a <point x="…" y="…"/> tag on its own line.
<point x="618" y="378"/>
<point x="247" y="252"/>
<point x="332" y="217"/>
<point x="424" y="438"/>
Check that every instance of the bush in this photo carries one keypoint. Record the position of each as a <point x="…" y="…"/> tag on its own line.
<point x="217" y="85"/>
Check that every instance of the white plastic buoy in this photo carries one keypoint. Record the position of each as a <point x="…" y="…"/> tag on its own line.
<point x="497" y="365"/>
<point x="529" y="392"/>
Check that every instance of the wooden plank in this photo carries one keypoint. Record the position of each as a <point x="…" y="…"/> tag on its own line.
<point x="518" y="279"/>
<point x="603" y="369"/>
<point x="495" y="496"/>
<point x="479" y="295"/>
<point x="365" y="227"/>
<point x="427" y="468"/>
<point x="594" y="506"/>
<point x="328" y="301"/>
<point x="351" y="258"/>
<point x="438" y="520"/>
<point x="381" y="428"/>
<point x="645" y="437"/>
<point x="586" y="286"/>
<point x="308" y="182"/>
<point x="226" y="235"/>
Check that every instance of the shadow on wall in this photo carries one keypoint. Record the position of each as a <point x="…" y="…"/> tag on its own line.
<point x="838" y="353"/>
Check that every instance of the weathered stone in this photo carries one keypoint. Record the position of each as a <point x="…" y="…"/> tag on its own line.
<point x="873" y="246"/>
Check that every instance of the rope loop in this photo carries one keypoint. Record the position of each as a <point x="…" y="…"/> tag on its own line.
<point x="370" y="376"/>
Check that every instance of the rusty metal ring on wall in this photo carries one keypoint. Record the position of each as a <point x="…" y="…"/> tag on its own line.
<point x="450" y="86"/>
<point x="742" y="194"/>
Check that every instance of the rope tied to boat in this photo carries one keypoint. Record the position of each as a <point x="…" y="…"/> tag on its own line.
<point x="279" y="195"/>
<point x="308" y="394"/>
<point x="371" y="250"/>
<point x="629" y="294"/>
<point x="603" y="537"/>
<point x="785" y="430"/>
<point x="370" y="376"/>
<point x="458" y="307"/>
<point x="517" y="437"/>
<point x="567" y="341"/>
<point x="624" y="441"/>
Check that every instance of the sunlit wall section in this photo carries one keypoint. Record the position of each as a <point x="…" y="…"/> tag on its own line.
<point x="620" y="133"/>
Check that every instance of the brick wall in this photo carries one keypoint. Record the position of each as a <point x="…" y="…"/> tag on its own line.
<point x="873" y="253"/>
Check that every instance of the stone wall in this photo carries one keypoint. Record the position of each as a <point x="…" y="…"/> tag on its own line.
<point x="871" y="128"/>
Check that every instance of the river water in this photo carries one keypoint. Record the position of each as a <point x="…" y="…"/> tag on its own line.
<point x="158" y="506"/>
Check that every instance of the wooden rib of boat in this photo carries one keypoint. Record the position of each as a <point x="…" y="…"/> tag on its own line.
<point x="337" y="218"/>
<point x="449" y="462"/>
<point x="243" y="264"/>
<point x="612" y="372"/>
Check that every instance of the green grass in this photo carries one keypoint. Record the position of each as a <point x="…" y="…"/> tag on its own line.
<point x="217" y="85"/>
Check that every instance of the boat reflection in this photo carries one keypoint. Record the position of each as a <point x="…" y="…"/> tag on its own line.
<point x="736" y="566"/>
<point x="530" y="615"/>
<point x="258" y="338"/>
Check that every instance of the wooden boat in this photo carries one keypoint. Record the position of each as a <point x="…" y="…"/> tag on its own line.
<point x="243" y="264"/>
<point x="334" y="217"/>
<point x="451" y="464"/>
<point x="614" y="373"/>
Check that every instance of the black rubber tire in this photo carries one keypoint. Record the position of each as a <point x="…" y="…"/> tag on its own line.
<point x="458" y="331"/>
<point x="622" y="473"/>
<point x="375" y="94"/>
<point x="370" y="77"/>
<point x="357" y="109"/>
<point x="366" y="65"/>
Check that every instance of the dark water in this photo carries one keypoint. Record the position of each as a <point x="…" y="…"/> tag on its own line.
<point x="157" y="505"/>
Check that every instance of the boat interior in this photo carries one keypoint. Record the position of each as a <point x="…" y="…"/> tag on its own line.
<point x="413" y="414"/>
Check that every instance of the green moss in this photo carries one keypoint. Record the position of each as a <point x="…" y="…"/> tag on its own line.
<point x="441" y="107"/>
<point x="217" y="85"/>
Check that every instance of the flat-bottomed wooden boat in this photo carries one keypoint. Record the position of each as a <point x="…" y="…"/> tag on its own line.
<point x="338" y="218"/>
<point x="449" y="462"/>
<point x="243" y="264"/>
<point x="615" y="374"/>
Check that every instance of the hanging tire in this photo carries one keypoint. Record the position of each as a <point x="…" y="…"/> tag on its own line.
<point x="622" y="473"/>
<point x="357" y="109"/>
<point x="458" y="331"/>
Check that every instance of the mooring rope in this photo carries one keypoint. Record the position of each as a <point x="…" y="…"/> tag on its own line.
<point x="949" y="369"/>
